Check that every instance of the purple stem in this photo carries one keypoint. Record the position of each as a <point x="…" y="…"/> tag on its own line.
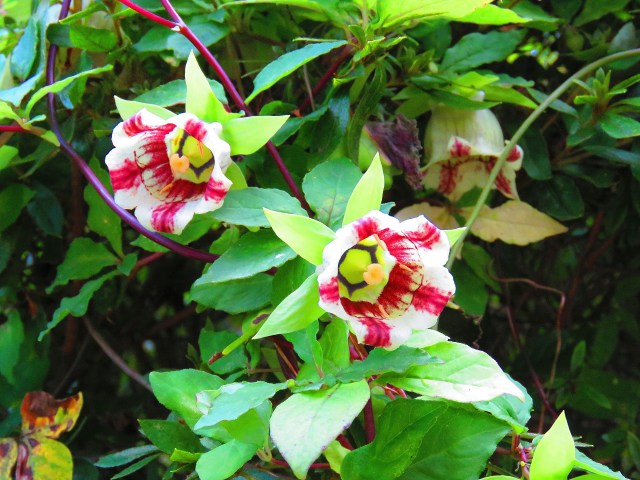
<point x="369" y="422"/>
<point x="13" y="128"/>
<point x="346" y="51"/>
<point x="94" y="181"/>
<point x="226" y="81"/>
<point x="150" y="15"/>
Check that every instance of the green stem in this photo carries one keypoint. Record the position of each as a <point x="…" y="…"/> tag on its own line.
<point x="523" y="128"/>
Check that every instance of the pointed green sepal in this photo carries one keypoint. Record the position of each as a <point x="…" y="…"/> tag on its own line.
<point x="246" y="135"/>
<point x="295" y="312"/>
<point x="454" y="235"/>
<point x="234" y="173"/>
<point x="367" y="195"/>
<point x="128" y="108"/>
<point x="306" y="236"/>
<point x="555" y="454"/>
<point x="201" y="101"/>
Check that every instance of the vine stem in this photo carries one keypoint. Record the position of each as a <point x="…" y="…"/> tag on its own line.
<point x="13" y="128"/>
<point x="181" y="27"/>
<point x="455" y="250"/>
<point x="125" y="215"/>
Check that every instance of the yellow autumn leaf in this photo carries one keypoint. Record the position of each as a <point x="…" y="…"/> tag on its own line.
<point x="515" y="222"/>
<point x="441" y="217"/>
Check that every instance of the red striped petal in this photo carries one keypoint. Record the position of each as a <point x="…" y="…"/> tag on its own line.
<point x="126" y="177"/>
<point x="163" y="216"/>
<point x="365" y="227"/>
<point x="215" y="190"/>
<point x="329" y="292"/>
<point x="378" y="332"/>
<point x="429" y="298"/>
<point x="460" y="148"/>
<point x="136" y="124"/>
<point x="196" y="129"/>
<point x="425" y="235"/>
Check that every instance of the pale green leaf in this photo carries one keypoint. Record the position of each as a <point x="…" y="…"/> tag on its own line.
<point x="555" y="454"/>
<point x="454" y="235"/>
<point x="303" y="425"/>
<point x="394" y="12"/>
<point x="307" y="237"/>
<point x="492" y="15"/>
<point x="201" y="101"/>
<point x="295" y="312"/>
<point x="289" y="62"/>
<point x="583" y="462"/>
<point x="223" y="461"/>
<point x="367" y="195"/>
<point x="60" y="85"/>
<point x="128" y="108"/>
<point x="247" y="135"/>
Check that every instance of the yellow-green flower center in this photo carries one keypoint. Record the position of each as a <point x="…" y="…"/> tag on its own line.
<point x="363" y="270"/>
<point x="189" y="158"/>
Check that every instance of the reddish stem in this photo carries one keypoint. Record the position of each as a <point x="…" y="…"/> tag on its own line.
<point x="344" y="442"/>
<point x="13" y="128"/>
<point x="226" y="81"/>
<point x="91" y="177"/>
<point x="369" y="422"/>
<point x="150" y="15"/>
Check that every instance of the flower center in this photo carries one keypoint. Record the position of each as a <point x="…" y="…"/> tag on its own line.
<point x="189" y="158"/>
<point x="363" y="270"/>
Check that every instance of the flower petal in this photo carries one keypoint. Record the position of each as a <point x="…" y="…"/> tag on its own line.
<point x="380" y="333"/>
<point x="431" y="242"/>
<point x="141" y="122"/>
<point x="166" y="217"/>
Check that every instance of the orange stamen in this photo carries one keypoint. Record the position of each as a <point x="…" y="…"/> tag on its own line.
<point x="379" y="242"/>
<point x="166" y="188"/>
<point x="374" y="274"/>
<point x="179" y="164"/>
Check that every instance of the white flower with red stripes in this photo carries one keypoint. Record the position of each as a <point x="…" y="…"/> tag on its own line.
<point x="168" y="170"/>
<point x="386" y="277"/>
<point x="462" y="146"/>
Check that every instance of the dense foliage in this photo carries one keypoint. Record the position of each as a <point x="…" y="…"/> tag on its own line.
<point x="207" y="337"/>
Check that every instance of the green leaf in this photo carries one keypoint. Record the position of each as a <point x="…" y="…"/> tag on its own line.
<point x="289" y="62"/>
<point x="306" y="345"/>
<point x="100" y="218"/>
<point x="289" y="277"/>
<point x="201" y="101"/>
<point x="49" y="459"/>
<point x="123" y="457"/>
<point x="46" y="211"/>
<point x="140" y="464"/>
<point x="328" y="187"/>
<point x="335" y="346"/>
<point x="11" y="338"/>
<point x="367" y="195"/>
<point x="560" y="197"/>
<point x="168" y="436"/>
<point x="175" y="92"/>
<point x="596" y="9"/>
<point x="536" y="161"/>
<point x="76" y="306"/>
<point x="177" y="391"/>
<point x="619" y="126"/>
<point x="307" y="237"/>
<point x="492" y="15"/>
<point x="60" y="85"/>
<point x="232" y="400"/>
<point x="25" y="52"/>
<point x="245" y="207"/>
<point x="295" y="312"/>
<point x="247" y="135"/>
<point x="12" y="200"/>
<point x="255" y="252"/>
<point x="509" y="409"/>
<point x="555" y="454"/>
<point x="367" y="103"/>
<point x="393" y="13"/>
<point x="477" y="49"/>
<point x="6" y="111"/>
<point x="128" y="108"/>
<point x="251" y="427"/>
<point x="497" y="93"/>
<point x="211" y="342"/>
<point x="84" y="259"/>
<point x="471" y="292"/>
<point x="92" y="39"/>
<point x="583" y="462"/>
<point x="466" y="375"/>
<point x="426" y="440"/>
<point x="304" y="424"/>
<point x="234" y="296"/>
<point x="223" y="461"/>
<point x="381" y="361"/>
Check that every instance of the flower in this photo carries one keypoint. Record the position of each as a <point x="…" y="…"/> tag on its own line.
<point x="386" y="278"/>
<point x="168" y="170"/>
<point x="461" y="149"/>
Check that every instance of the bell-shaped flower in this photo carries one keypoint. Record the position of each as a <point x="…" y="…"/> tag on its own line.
<point x="461" y="148"/>
<point x="168" y="169"/>
<point x="386" y="277"/>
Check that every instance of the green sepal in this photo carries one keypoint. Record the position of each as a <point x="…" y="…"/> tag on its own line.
<point x="367" y="195"/>
<point x="128" y="108"/>
<point x="454" y="235"/>
<point x="234" y="173"/>
<point x="247" y="135"/>
<point x="295" y="312"/>
<point x="555" y="454"/>
<point x="201" y="101"/>
<point x="306" y="236"/>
